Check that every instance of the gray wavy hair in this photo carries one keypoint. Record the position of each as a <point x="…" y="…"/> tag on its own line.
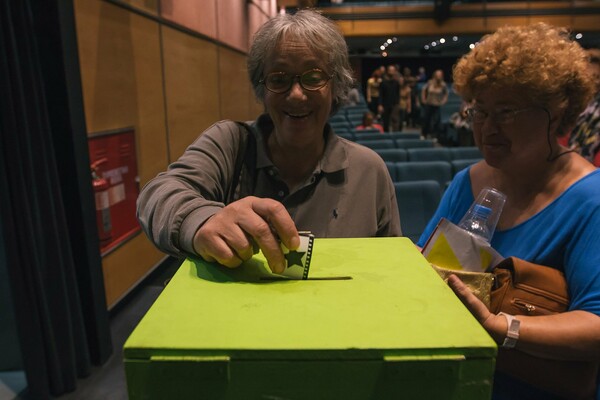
<point x="319" y="33"/>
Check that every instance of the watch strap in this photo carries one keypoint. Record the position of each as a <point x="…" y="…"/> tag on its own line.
<point x="512" y="335"/>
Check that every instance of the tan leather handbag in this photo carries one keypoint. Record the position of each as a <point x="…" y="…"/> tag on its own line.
<point x="524" y="288"/>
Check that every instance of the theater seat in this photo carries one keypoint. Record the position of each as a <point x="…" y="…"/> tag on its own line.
<point x="429" y="154"/>
<point x="405" y="135"/>
<point x="377" y="143"/>
<point x="413" y="143"/>
<point x="439" y="171"/>
<point x="417" y="202"/>
<point x="393" y="155"/>
<point x="465" y="153"/>
<point x="458" y="165"/>
<point x="368" y="134"/>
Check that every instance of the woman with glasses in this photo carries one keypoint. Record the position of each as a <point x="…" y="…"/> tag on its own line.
<point x="242" y="186"/>
<point x="527" y="86"/>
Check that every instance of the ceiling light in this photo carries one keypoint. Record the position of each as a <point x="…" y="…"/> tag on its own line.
<point x="384" y="54"/>
<point x="426" y="47"/>
<point x="578" y="36"/>
<point x="433" y="44"/>
<point x="471" y="46"/>
<point x="455" y="38"/>
<point x="382" y="48"/>
<point x="394" y="39"/>
<point x="389" y="41"/>
<point x="442" y="40"/>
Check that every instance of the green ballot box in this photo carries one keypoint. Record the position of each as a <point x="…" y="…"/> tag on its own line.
<point x="373" y="321"/>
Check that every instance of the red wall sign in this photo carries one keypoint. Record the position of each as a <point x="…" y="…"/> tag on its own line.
<point x="113" y="159"/>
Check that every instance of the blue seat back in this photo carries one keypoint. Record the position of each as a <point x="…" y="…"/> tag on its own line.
<point x="465" y="153"/>
<point x="417" y="202"/>
<point x="429" y="154"/>
<point x="458" y="165"/>
<point x="377" y="143"/>
<point x="369" y="135"/>
<point x="439" y="171"/>
<point x="413" y="143"/>
<point x="392" y="155"/>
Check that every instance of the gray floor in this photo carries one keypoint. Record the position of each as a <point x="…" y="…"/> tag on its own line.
<point x="11" y="384"/>
<point x="108" y="381"/>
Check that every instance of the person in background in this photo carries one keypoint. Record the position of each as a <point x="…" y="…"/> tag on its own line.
<point x="240" y="186"/>
<point x="353" y="97"/>
<point x="373" y="90"/>
<point x="405" y="105"/>
<point x="462" y="125"/>
<point x="433" y="96"/>
<point x="412" y="117"/>
<point x="524" y="98"/>
<point x="368" y="122"/>
<point x="585" y="137"/>
<point x="389" y="99"/>
<point x="421" y="75"/>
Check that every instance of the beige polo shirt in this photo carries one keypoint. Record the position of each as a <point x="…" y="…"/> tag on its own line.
<point x="349" y="194"/>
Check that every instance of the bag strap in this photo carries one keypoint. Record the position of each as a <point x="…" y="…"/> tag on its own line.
<point x="246" y="156"/>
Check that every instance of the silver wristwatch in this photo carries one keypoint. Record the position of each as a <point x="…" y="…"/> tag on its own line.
<point x="510" y="341"/>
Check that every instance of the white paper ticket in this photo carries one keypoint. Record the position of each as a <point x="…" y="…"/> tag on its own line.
<point x="298" y="261"/>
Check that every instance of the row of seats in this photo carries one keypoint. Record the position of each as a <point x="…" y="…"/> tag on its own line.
<point x="379" y="144"/>
<point x="440" y="171"/>
<point x="430" y="154"/>
<point x="369" y="134"/>
<point x="349" y="116"/>
<point x="419" y="170"/>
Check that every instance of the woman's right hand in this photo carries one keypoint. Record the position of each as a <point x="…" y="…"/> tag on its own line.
<point x="229" y="237"/>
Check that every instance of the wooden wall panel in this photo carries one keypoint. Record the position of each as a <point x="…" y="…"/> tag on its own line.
<point x="119" y="54"/>
<point x="256" y="17"/>
<point x="149" y="6"/>
<point x="233" y="34"/>
<point x="107" y="66"/>
<point x="199" y="16"/>
<point x="191" y="82"/>
<point x="122" y="78"/>
<point x="235" y="88"/>
<point x="125" y="267"/>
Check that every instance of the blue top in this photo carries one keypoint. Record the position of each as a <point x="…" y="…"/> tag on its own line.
<point x="564" y="235"/>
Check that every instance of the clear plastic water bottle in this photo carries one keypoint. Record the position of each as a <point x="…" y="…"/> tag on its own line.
<point x="483" y="215"/>
<point x="477" y="223"/>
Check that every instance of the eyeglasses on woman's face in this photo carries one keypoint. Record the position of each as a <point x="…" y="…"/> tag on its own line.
<point x="503" y="116"/>
<point x="281" y="82"/>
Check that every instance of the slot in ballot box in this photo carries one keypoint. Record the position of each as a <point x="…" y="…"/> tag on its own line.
<point x="393" y="330"/>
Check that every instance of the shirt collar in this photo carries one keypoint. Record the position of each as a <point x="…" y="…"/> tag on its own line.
<point x="334" y="157"/>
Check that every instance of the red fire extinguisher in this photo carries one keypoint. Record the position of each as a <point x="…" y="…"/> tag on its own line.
<point x="101" y="186"/>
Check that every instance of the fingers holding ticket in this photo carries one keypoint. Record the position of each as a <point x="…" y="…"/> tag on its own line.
<point x="230" y="237"/>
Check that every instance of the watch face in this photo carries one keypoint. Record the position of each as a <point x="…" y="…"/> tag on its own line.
<point x="512" y="335"/>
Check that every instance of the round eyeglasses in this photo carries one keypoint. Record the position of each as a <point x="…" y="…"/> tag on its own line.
<point x="281" y="82"/>
<point x="504" y="116"/>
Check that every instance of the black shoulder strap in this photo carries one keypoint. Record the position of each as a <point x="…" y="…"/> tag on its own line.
<point x="246" y="157"/>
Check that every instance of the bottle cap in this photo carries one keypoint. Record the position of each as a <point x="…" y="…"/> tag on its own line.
<point x="481" y="210"/>
<point x="488" y="205"/>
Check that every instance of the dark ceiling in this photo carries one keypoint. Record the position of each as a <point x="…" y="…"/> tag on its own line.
<point x="414" y="46"/>
<point x="411" y="46"/>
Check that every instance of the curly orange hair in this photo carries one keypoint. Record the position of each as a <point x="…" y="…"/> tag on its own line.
<point x="540" y="61"/>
